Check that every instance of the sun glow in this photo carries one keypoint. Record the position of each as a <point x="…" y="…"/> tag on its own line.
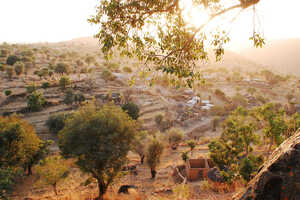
<point x="195" y="16"/>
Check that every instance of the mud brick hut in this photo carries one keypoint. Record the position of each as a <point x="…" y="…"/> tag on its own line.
<point x="196" y="169"/>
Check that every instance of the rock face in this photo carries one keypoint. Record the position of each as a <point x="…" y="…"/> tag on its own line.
<point x="279" y="177"/>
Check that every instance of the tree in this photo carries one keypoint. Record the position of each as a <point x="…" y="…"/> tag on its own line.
<point x="62" y="68"/>
<point x="251" y="90"/>
<point x="18" y="142"/>
<point x="36" y="102"/>
<point x="275" y="125"/>
<point x="175" y="136"/>
<point x="12" y="59"/>
<point x="100" y="139"/>
<point x="7" y="92"/>
<point x="139" y="145"/>
<point x="192" y="144"/>
<point x="89" y="59"/>
<point x="19" y="68"/>
<point x="235" y="143"/>
<point x="69" y="97"/>
<point x="250" y="165"/>
<point x="173" y="44"/>
<point x="10" y="72"/>
<point x="20" y="146"/>
<point x="132" y="110"/>
<point x="56" y="122"/>
<point x="154" y="153"/>
<point x="64" y="81"/>
<point x="52" y="170"/>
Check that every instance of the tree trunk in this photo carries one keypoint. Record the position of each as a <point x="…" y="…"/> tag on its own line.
<point x="55" y="189"/>
<point x="142" y="159"/>
<point x="153" y="173"/>
<point x="29" y="172"/>
<point x="101" y="189"/>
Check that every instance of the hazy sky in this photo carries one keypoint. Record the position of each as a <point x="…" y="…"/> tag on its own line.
<point x="58" y="20"/>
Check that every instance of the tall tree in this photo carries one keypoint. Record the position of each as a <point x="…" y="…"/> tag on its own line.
<point x="100" y="140"/>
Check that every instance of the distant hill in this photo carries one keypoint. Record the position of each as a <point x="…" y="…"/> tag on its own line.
<point x="280" y="55"/>
<point x="230" y="60"/>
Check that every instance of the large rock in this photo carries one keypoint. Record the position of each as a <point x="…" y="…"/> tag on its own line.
<point x="279" y="178"/>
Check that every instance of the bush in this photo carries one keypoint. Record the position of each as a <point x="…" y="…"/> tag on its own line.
<point x="19" y="68"/>
<point x="62" y="68"/>
<point x="7" y="92"/>
<point x="175" y="136"/>
<point x="36" y="102"/>
<point x="158" y="119"/>
<point x="31" y="88"/>
<point x="12" y="59"/>
<point x="52" y="170"/>
<point x="56" y="122"/>
<point x="69" y="97"/>
<point x="127" y="69"/>
<point x="107" y="75"/>
<point x="45" y="85"/>
<point x="63" y="82"/>
<point x="79" y="98"/>
<point x="99" y="139"/>
<point x="132" y="110"/>
<point x="2" y="67"/>
<point x="219" y="110"/>
<point x="10" y="72"/>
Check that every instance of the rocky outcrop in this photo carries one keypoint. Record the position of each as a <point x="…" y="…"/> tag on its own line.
<point x="279" y="177"/>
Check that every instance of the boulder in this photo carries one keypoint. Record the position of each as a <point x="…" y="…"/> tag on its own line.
<point x="125" y="189"/>
<point x="279" y="177"/>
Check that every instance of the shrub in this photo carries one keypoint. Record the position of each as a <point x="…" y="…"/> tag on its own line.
<point x="175" y="136"/>
<point x="100" y="140"/>
<point x="19" y="68"/>
<point x="192" y="144"/>
<point x="7" y="92"/>
<point x="219" y="110"/>
<point x="36" y="102"/>
<point x="79" y="98"/>
<point x="127" y="69"/>
<point x="107" y="75"/>
<point x="62" y="68"/>
<point x="63" y="82"/>
<point x="158" y="119"/>
<point x="154" y="153"/>
<point x="249" y="166"/>
<point x="45" y="85"/>
<point x="31" y="88"/>
<point x="215" y="123"/>
<point x="56" y="122"/>
<point x="51" y="171"/>
<point x="10" y="72"/>
<point x="2" y="67"/>
<point x="69" y="97"/>
<point x="185" y="156"/>
<point x="12" y="59"/>
<point x="132" y="110"/>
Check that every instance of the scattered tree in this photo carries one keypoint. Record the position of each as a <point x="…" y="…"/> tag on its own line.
<point x="100" y="140"/>
<point x="154" y="153"/>
<point x="36" y="102"/>
<point x="132" y="110"/>
<point x="63" y="82"/>
<point x="19" y="68"/>
<point x="12" y="59"/>
<point x="51" y="171"/>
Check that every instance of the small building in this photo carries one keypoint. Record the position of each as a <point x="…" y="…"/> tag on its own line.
<point x="197" y="169"/>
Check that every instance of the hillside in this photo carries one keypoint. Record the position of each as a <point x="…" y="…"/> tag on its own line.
<point x="280" y="55"/>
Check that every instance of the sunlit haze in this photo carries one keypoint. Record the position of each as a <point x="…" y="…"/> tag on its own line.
<point x="59" y="20"/>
